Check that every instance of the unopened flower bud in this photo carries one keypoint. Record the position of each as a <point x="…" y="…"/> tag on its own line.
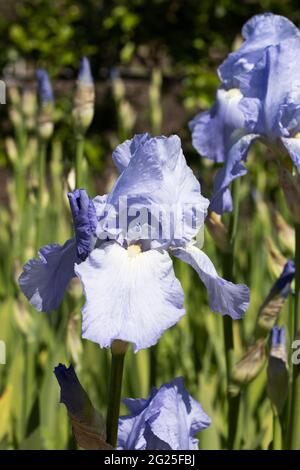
<point x="84" y="99"/>
<point x="286" y="233"/>
<point x="45" y="116"/>
<point x="278" y="377"/>
<point x="218" y="231"/>
<point x="87" y="423"/>
<point x="250" y="364"/>
<point x="271" y="307"/>
<point x="291" y="188"/>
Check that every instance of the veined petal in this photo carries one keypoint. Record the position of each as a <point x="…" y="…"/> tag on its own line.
<point x="125" y="151"/>
<point x="274" y="89"/>
<point x="211" y="130"/>
<point x="85" y="221"/>
<point x="259" y="32"/>
<point x="179" y="410"/>
<point x="44" y="280"/>
<point x="167" y="420"/>
<point x="293" y="147"/>
<point x="232" y="169"/>
<point x="130" y="295"/>
<point x="158" y="181"/>
<point x="224" y="296"/>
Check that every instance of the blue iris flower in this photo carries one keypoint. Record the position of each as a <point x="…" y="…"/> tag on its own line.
<point x="167" y="420"/>
<point x="131" y="290"/>
<point x="44" y="86"/>
<point x="259" y="98"/>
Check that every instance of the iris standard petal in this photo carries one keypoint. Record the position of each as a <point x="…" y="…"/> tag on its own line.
<point x="130" y="295"/>
<point x="224" y="296"/>
<point x="259" y="32"/>
<point x="85" y="221"/>
<point x="274" y="89"/>
<point x="125" y="151"/>
<point x="212" y="130"/>
<point x="44" y="280"/>
<point x="168" y="420"/>
<point x="158" y="182"/>
<point x="233" y="168"/>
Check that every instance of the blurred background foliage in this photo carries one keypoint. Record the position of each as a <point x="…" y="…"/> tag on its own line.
<point x="154" y="64"/>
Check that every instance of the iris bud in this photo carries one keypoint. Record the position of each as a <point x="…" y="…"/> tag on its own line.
<point x="271" y="307"/>
<point x="45" y="116"/>
<point x="84" y="99"/>
<point x="278" y="377"/>
<point x="249" y="365"/>
<point x="87" y="424"/>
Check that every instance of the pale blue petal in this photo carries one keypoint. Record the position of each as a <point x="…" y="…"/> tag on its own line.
<point x="293" y="147"/>
<point x="259" y="32"/>
<point x="132" y="297"/>
<point x="224" y="296"/>
<point x="125" y="151"/>
<point x="274" y="89"/>
<point x="168" y="420"/>
<point x="232" y="169"/>
<point x="157" y="177"/>
<point x="182" y="415"/>
<point x="212" y="130"/>
<point x="44" y="280"/>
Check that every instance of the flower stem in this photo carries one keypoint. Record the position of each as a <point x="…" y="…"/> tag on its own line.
<point x="295" y="400"/>
<point x="118" y="351"/>
<point x="228" y="265"/>
<point x="41" y="189"/>
<point x="277" y="433"/>
<point x="153" y="366"/>
<point x="79" y="161"/>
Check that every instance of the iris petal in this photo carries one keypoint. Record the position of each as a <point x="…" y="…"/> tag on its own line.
<point x="129" y="296"/>
<point x="44" y="280"/>
<point x="167" y="420"/>
<point x="234" y="167"/>
<point x="224" y="296"/>
<point x="259" y="32"/>
<point x="125" y="151"/>
<point x="212" y="130"/>
<point x="293" y="147"/>
<point x="85" y="221"/>
<point x="158" y="179"/>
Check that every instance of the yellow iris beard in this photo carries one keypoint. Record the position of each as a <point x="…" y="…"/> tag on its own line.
<point x="134" y="250"/>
